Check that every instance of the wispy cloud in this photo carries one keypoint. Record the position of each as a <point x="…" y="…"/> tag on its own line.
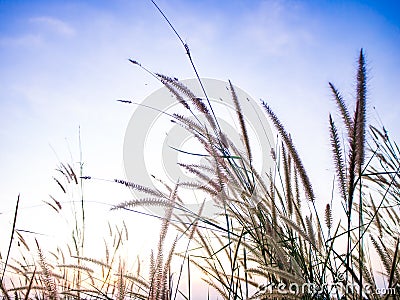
<point x="55" y="25"/>
<point x="22" y="41"/>
<point x="277" y="27"/>
<point x="35" y="36"/>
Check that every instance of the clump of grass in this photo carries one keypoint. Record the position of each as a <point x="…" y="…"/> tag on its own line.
<point x="264" y="237"/>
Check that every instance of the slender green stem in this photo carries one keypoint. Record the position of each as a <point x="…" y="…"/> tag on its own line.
<point x="11" y="238"/>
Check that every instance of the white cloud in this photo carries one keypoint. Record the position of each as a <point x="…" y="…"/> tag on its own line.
<point x="55" y="25"/>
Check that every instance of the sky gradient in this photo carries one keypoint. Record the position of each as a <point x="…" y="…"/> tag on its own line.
<point x="64" y="63"/>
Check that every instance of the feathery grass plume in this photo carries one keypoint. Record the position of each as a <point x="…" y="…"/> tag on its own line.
<point x="167" y="217"/>
<point x="198" y="102"/>
<point x="77" y="267"/>
<point x="140" y="282"/>
<point x="338" y="159"/>
<point x="140" y="188"/>
<point x="187" y="123"/>
<point x="194" y="128"/>
<point x="159" y="288"/>
<point x="310" y="230"/>
<point x="245" y="136"/>
<point x="342" y="108"/>
<point x="320" y="239"/>
<point x="175" y="93"/>
<point x="126" y="230"/>
<point x="328" y="216"/>
<point x="121" y="285"/>
<point x="152" y="271"/>
<point x="200" y="175"/>
<point x="385" y="259"/>
<point x="352" y="167"/>
<point x="144" y="202"/>
<point x="273" y="204"/>
<point x="361" y="110"/>
<point x="219" y="164"/>
<point x="165" y="78"/>
<point x="165" y="279"/>
<point x="50" y="284"/>
<point x="203" y="167"/>
<point x="299" y="217"/>
<point x="292" y="150"/>
<point x="288" y="185"/>
<point x="200" y="186"/>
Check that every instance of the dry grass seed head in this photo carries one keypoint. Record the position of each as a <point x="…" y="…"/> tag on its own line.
<point x="140" y="188"/>
<point x="342" y="108"/>
<point x="361" y="108"/>
<point x="245" y="137"/>
<point x="338" y="159"/>
<point x="328" y="216"/>
<point x="175" y="93"/>
<point x="49" y="282"/>
<point x="291" y="149"/>
<point x="288" y="184"/>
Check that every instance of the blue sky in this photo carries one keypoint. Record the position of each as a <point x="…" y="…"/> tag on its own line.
<point x="64" y="63"/>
